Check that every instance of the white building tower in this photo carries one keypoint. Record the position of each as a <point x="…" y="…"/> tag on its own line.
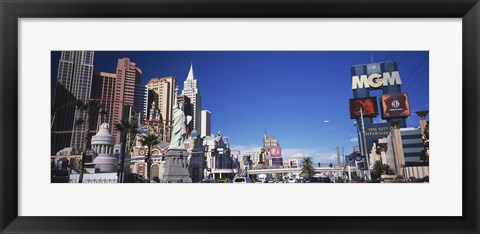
<point x="102" y="144"/>
<point x="190" y="89"/>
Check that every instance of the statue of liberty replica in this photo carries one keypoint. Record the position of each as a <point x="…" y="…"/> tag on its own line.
<point x="174" y="166"/>
<point x="179" y="133"/>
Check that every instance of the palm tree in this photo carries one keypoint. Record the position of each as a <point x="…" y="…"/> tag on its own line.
<point x="91" y="107"/>
<point x="307" y="167"/>
<point x="127" y="131"/>
<point x="379" y="169"/>
<point x="149" y="141"/>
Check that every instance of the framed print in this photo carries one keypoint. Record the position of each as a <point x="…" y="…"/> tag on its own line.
<point x="229" y="116"/>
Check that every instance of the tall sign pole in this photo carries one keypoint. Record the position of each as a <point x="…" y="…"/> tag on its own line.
<point x="360" y="137"/>
<point x="365" y="147"/>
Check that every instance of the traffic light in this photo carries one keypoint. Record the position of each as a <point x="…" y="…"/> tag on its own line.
<point x="331" y="165"/>
<point x="319" y="164"/>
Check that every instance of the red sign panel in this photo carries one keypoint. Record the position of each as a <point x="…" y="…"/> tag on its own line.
<point x="367" y="105"/>
<point x="395" y="105"/>
<point x="276" y="152"/>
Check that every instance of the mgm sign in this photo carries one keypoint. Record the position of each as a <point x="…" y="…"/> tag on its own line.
<point x="369" y="77"/>
<point x="376" y="80"/>
<point x="372" y="76"/>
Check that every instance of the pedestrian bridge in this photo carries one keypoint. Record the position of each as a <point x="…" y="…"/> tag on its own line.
<point x="293" y="170"/>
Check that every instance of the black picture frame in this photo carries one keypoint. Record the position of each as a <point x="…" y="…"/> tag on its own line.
<point x="12" y="10"/>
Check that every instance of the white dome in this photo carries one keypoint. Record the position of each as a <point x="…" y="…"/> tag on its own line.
<point x="103" y="136"/>
<point x="102" y="144"/>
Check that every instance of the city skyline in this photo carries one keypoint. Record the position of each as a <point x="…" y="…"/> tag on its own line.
<point x="290" y="93"/>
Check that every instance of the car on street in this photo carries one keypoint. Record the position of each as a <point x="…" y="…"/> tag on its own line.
<point x="292" y="180"/>
<point x="320" y="179"/>
<point x="209" y="181"/>
<point x="242" y="180"/>
<point x="224" y="180"/>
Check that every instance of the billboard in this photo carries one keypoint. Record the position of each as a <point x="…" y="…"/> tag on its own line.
<point x="277" y="161"/>
<point x="376" y="131"/>
<point x="378" y="77"/>
<point x="368" y="106"/>
<point x="395" y="105"/>
<point x="275" y="152"/>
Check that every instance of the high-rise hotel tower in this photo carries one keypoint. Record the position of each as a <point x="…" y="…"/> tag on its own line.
<point x="190" y="89"/>
<point x="74" y="81"/>
<point x="103" y="89"/>
<point x="128" y="76"/>
<point x="165" y="91"/>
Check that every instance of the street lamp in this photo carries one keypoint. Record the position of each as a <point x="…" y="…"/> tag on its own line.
<point x="356" y="131"/>
<point x="336" y="121"/>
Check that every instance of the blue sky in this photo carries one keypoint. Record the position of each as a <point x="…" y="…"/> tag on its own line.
<point x="290" y="93"/>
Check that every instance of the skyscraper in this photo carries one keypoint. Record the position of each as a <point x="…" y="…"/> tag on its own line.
<point x="140" y="100"/>
<point x="273" y="152"/>
<point x="165" y="91"/>
<point x="128" y="75"/>
<point x="206" y="123"/>
<point x="74" y="81"/>
<point x="190" y="89"/>
<point x="103" y="89"/>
